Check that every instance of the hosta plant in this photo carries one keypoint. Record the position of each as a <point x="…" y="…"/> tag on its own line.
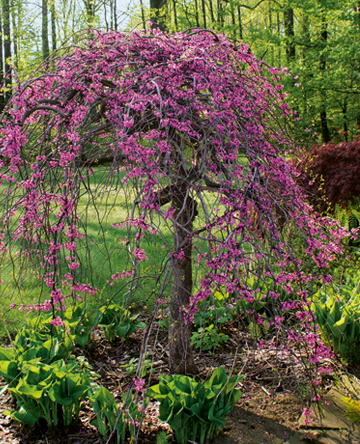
<point x="215" y="309"/>
<point x="52" y="392"/>
<point x="337" y="312"/>
<point x="81" y="323"/>
<point x="195" y="410"/>
<point x="32" y="346"/>
<point x="117" y="321"/>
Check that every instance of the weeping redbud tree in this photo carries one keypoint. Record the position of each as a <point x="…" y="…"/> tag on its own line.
<point x="194" y="130"/>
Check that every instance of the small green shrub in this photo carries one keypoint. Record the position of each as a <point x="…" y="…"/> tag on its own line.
<point x="110" y="416"/>
<point x="132" y="366"/>
<point x="196" y="410"/>
<point x="212" y="312"/>
<point x="208" y="338"/>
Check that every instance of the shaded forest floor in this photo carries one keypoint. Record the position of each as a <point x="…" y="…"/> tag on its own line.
<point x="275" y="391"/>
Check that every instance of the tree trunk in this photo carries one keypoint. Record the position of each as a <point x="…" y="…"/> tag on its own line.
<point x="181" y="360"/>
<point x="289" y="34"/>
<point x="53" y="25"/>
<point x="322" y="66"/>
<point x="44" y="29"/>
<point x="220" y="17"/>
<point x="7" y="47"/>
<point x="357" y="27"/>
<point x="211" y="11"/>
<point x="203" y="5"/>
<point x="197" y="14"/>
<point x="155" y="7"/>
<point x="90" y="13"/>
<point x="115" y="15"/>
<point x="271" y="32"/>
<point x="175" y="15"/>
<point x="344" y="110"/>
<point x="15" y="33"/>
<point x="142" y="14"/>
<point x="2" y="95"/>
<point x="240" y="23"/>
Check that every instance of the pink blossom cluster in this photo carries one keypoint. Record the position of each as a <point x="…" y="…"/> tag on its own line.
<point x="180" y="111"/>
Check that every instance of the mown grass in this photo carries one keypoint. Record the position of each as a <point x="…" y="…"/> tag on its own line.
<point x="101" y="255"/>
<point x="102" y="203"/>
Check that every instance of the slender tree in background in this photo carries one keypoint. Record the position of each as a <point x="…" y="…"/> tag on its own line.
<point x="15" y="32"/>
<point x="53" y="24"/>
<point x="45" y="29"/>
<point x="2" y="80"/>
<point x="7" y="47"/>
<point x="322" y="66"/>
<point x="289" y="34"/>
<point x="90" y="12"/>
<point x="155" y="12"/>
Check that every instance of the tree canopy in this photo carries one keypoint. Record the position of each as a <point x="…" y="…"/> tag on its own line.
<point x="195" y="129"/>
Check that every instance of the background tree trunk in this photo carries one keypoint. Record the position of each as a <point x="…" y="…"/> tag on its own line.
<point x="7" y="47"/>
<point x="44" y="29"/>
<point x="155" y="7"/>
<point x="53" y="24"/>
<point x="2" y="95"/>
<point x="90" y="12"/>
<point x="322" y="66"/>
<point x="15" y="33"/>
<point x="240" y="23"/>
<point x="289" y="34"/>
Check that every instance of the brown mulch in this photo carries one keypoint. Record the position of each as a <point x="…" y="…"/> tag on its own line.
<point x="274" y="391"/>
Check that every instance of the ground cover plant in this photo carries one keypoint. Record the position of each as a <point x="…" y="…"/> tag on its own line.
<point x="195" y="130"/>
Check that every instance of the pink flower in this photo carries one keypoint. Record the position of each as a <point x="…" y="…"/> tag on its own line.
<point x="139" y="385"/>
<point x="139" y="254"/>
<point x="57" y="322"/>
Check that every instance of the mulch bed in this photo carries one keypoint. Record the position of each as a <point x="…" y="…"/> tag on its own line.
<point x="274" y="387"/>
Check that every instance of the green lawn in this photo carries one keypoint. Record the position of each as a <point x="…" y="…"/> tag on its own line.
<point x="101" y="255"/>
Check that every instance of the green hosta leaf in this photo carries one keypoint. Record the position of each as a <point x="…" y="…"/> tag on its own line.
<point x="218" y="378"/>
<point x="342" y="323"/>
<point x="83" y="338"/>
<point x="9" y="371"/>
<point x="141" y="325"/>
<point x="7" y="354"/>
<point x="26" y="416"/>
<point x="122" y="331"/>
<point x="110" y="332"/>
<point x="167" y="409"/>
<point x="66" y="393"/>
<point x="215" y="417"/>
<point x="236" y="396"/>
<point x="28" y="390"/>
<point x="183" y="383"/>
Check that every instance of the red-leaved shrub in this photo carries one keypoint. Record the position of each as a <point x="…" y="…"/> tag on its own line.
<point x="330" y="174"/>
